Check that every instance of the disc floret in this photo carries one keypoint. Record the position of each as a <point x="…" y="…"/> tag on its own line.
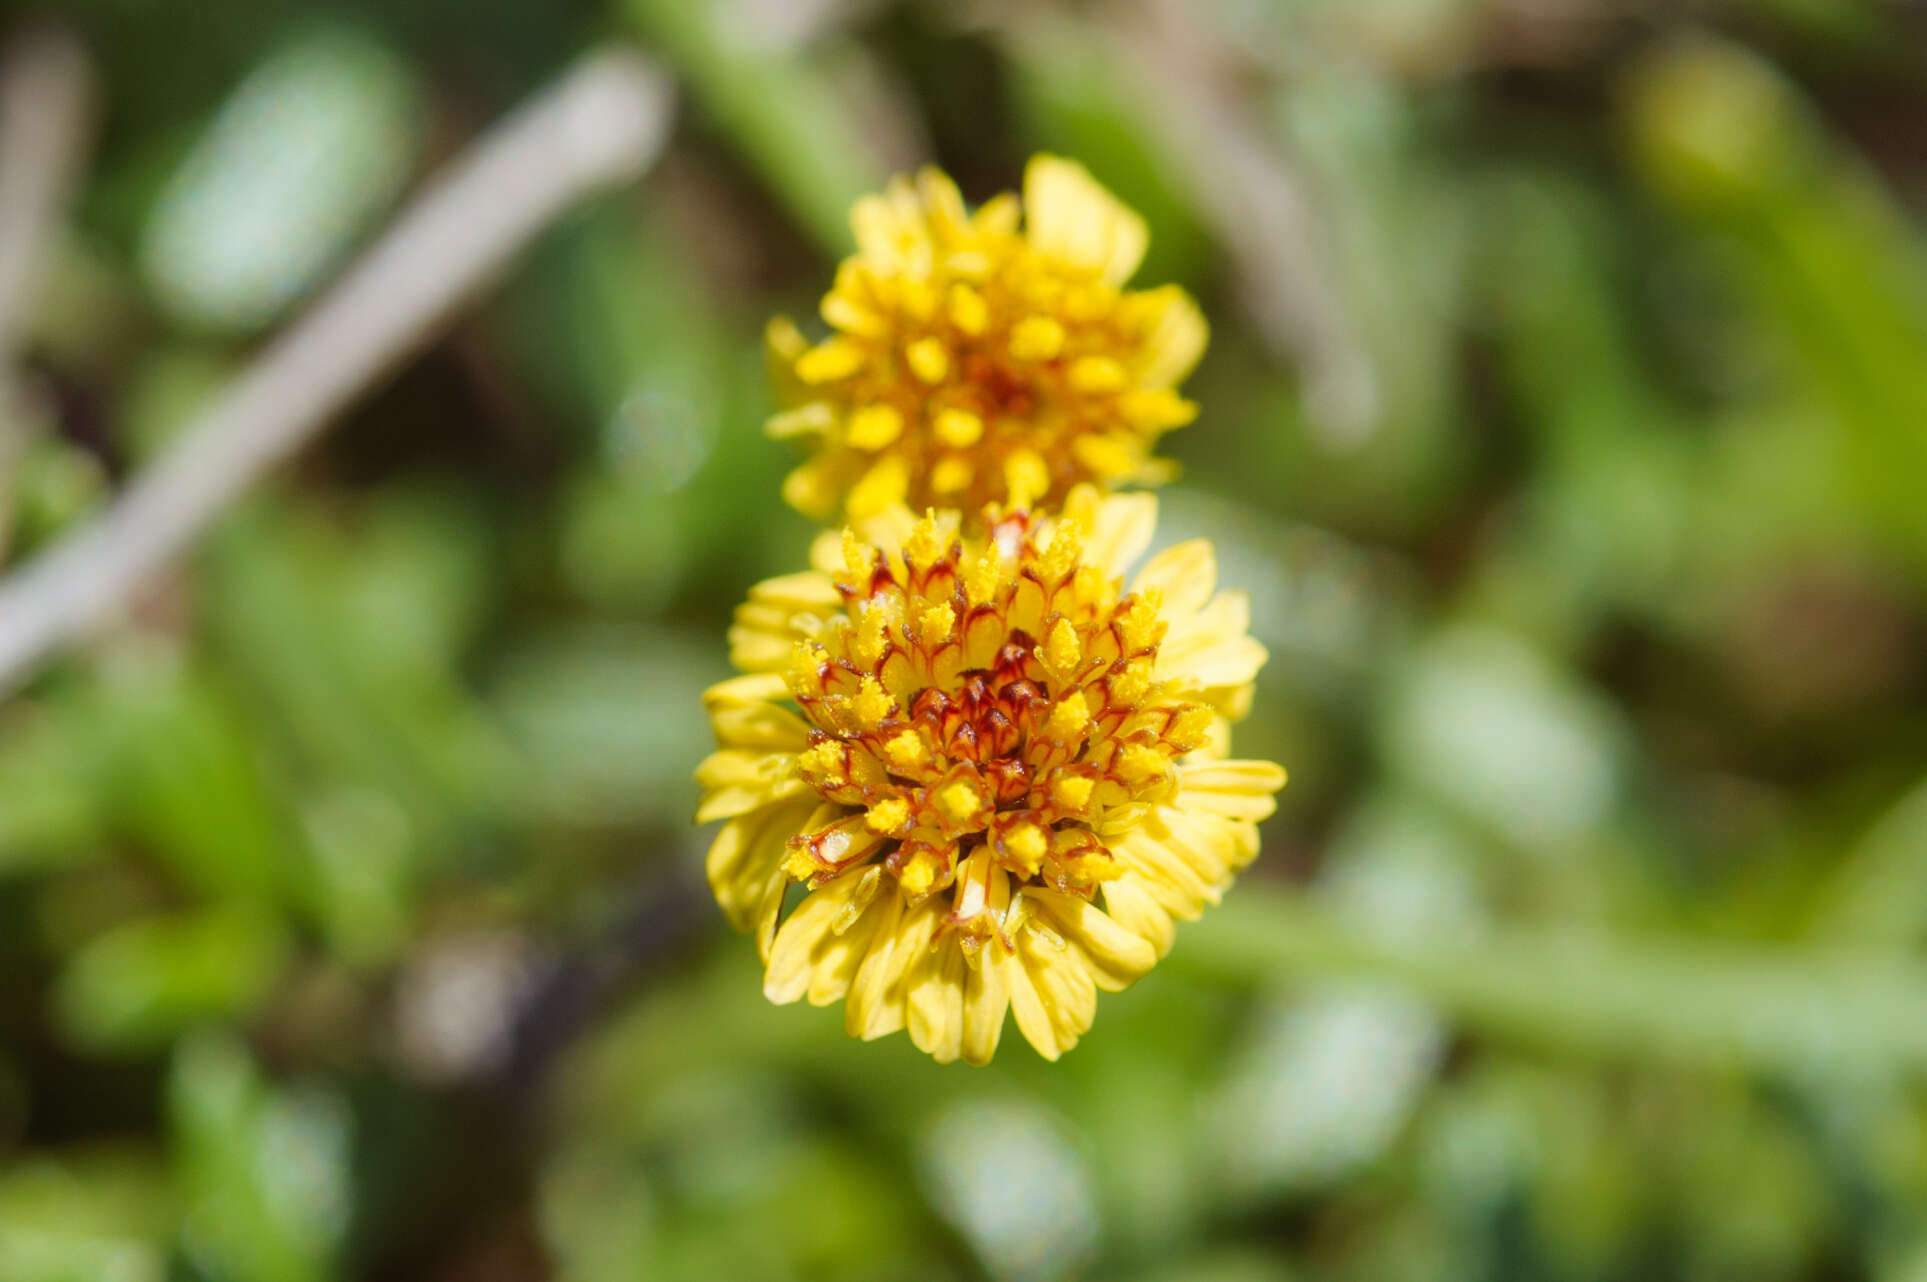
<point x="999" y="775"/>
<point x="984" y="706"/>
<point x="973" y="360"/>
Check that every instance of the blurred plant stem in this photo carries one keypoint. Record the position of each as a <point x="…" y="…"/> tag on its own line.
<point x="1240" y="182"/>
<point x="1262" y="208"/>
<point x="46" y="105"/>
<point x="1830" y="259"/>
<point x="783" y="113"/>
<point x="1610" y="996"/>
<point x="663" y="918"/>
<point x="601" y="126"/>
<point x="46" y="100"/>
<point x="1878" y="896"/>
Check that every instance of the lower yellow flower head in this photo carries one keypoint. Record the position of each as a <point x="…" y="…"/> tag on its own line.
<point x="999" y="774"/>
<point x="972" y="362"/>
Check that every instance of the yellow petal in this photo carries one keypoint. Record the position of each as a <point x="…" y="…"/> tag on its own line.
<point x="882" y="487"/>
<point x="997" y="217"/>
<point x="826" y="554"/>
<point x="1176" y="339"/>
<point x="1115" y="956"/>
<point x="1164" y="873"/>
<point x="1233" y="789"/>
<point x="812" y="419"/>
<point x="1185" y="574"/>
<point x="1105" y="456"/>
<point x="935" y="999"/>
<point x="943" y="203"/>
<point x="759" y="725"/>
<point x="830" y="361"/>
<point x="880" y="997"/>
<point x="757" y="687"/>
<point x="737" y="781"/>
<point x="1131" y="905"/>
<point x="1033" y="1020"/>
<point x="1211" y="847"/>
<point x="784" y="340"/>
<point x="1210" y="649"/>
<point x="747" y="854"/>
<point x="874" y="1006"/>
<point x="890" y="231"/>
<point x="841" y="311"/>
<point x="1026" y="477"/>
<point x="809" y="956"/>
<point x="1120" y="530"/>
<point x="763" y="919"/>
<point x="957" y="428"/>
<point x="812" y="488"/>
<point x="968" y="311"/>
<point x="952" y="474"/>
<point x="1096" y="375"/>
<point x="772" y="617"/>
<point x="890" y="527"/>
<point x="1217" y="745"/>
<point x="806" y="591"/>
<point x="1036" y="338"/>
<point x="873" y="427"/>
<point x="928" y="360"/>
<point x="1155" y="410"/>
<point x="739" y="768"/>
<point x="1069" y="217"/>
<point x="1052" y="996"/>
<point x="986" y="999"/>
<point x="754" y="650"/>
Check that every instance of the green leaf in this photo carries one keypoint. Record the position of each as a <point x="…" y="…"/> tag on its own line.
<point x="187" y="783"/>
<point x="783" y="112"/>
<point x="264" y="1171"/>
<point x="140" y="984"/>
<point x="349" y="639"/>
<point x="1826" y="255"/>
<point x="85" y="1218"/>
<point x="310" y="149"/>
<point x="1877" y="898"/>
<point x="1621" y="997"/>
<point x="54" y="772"/>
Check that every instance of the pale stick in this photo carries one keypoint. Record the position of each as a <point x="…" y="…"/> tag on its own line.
<point x="46" y="101"/>
<point x="602" y="125"/>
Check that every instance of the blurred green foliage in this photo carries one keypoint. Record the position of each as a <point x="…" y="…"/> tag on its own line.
<point x="349" y="921"/>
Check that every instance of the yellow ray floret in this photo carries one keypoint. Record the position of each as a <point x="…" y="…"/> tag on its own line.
<point x="972" y="359"/>
<point x="997" y="769"/>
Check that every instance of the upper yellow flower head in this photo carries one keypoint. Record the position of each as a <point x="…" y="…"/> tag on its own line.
<point x="999" y="773"/>
<point x="974" y="361"/>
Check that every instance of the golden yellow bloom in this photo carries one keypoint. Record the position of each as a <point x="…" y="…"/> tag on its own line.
<point x="972" y="361"/>
<point x="999" y="775"/>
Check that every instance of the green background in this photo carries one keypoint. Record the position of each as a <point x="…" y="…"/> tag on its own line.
<point x="1565" y="417"/>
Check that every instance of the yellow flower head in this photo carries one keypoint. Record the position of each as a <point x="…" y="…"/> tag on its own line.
<point x="998" y="772"/>
<point x="973" y="361"/>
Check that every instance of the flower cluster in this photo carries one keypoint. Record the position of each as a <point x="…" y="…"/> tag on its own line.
<point x="997" y="771"/>
<point x="972" y="361"/>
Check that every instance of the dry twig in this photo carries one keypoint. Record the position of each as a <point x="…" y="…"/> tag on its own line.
<point x="46" y="108"/>
<point x="602" y="125"/>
